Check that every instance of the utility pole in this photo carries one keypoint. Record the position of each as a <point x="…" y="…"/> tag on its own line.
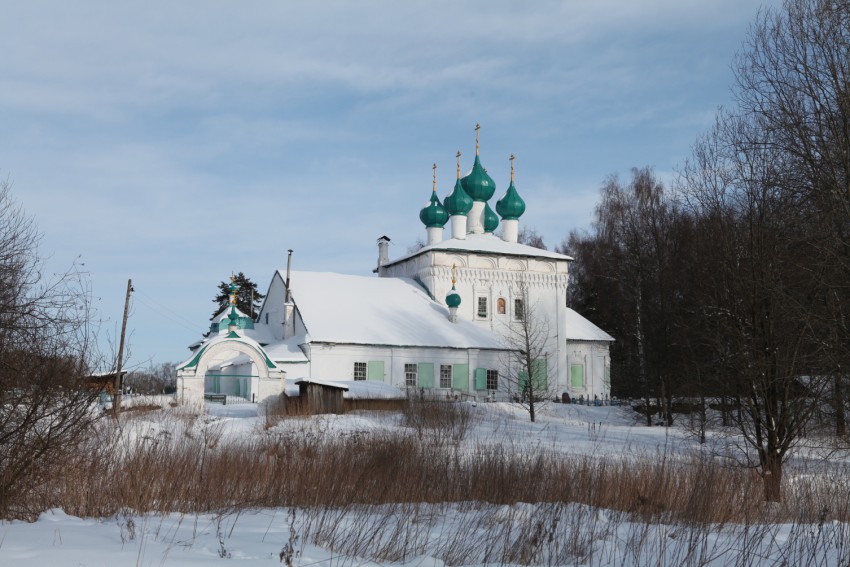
<point x="119" y="383"/>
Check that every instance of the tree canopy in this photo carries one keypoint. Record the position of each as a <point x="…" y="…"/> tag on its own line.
<point x="248" y="297"/>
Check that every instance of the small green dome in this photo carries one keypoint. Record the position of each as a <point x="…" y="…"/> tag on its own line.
<point x="458" y="202"/>
<point x="453" y="298"/>
<point x="433" y="214"/>
<point x="477" y="183"/>
<point x="511" y="206"/>
<point x="234" y="316"/>
<point x="491" y="221"/>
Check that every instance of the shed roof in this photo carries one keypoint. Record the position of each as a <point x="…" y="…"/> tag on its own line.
<point x="580" y="329"/>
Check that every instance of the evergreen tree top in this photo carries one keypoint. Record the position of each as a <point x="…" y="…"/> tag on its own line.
<point x="248" y="297"/>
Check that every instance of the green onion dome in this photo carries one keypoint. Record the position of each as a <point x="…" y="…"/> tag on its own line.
<point x="458" y="201"/>
<point x="511" y="206"/>
<point x="433" y="214"/>
<point x="491" y="221"/>
<point x="477" y="183"/>
<point x="453" y="298"/>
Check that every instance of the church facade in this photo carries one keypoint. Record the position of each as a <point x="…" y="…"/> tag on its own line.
<point x="443" y="320"/>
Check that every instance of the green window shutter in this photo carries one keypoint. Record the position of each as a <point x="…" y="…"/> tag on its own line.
<point x="540" y="375"/>
<point x="460" y="377"/>
<point x="426" y="374"/>
<point x="480" y="378"/>
<point x="607" y="375"/>
<point x="577" y="375"/>
<point x="376" y="370"/>
<point x="523" y="380"/>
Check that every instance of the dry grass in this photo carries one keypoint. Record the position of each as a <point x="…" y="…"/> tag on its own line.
<point x="385" y="495"/>
<point x="191" y="470"/>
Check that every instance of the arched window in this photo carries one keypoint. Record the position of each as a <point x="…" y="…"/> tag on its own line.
<point x="500" y="306"/>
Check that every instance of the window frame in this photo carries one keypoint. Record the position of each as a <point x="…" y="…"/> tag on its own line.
<point x="492" y="379"/>
<point x="411" y="370"/>
<point x="481" y="302"/>
<point x="361" y="369"/>
<point x="519" y="309"/>
<point x="573" y="385"/>
<point x="447" y="368"/>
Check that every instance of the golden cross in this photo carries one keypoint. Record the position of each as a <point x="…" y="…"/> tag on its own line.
<point x="454" y="275"/>
<point x="512" y="158"/>
<point x="477" y="128"/>
<point x="458" y="164"/>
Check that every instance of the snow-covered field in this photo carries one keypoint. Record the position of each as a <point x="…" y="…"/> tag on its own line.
<point x="470" y="533"/>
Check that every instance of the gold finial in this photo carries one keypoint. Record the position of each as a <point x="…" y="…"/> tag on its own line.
<point x="512" y="158"/>
<point x="454" y="275"/>
<point x="435" y="178"/>
<point x="232" y="289"/>
<point x="477" y="128"/>
<point x="458" y="164"/>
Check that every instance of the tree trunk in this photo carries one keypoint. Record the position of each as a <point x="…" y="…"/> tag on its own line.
<point x="772" y="477"/>
<point x="838" y="404"/>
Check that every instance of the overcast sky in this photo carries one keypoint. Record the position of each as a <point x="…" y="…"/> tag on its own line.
<point x="176" y="142"/>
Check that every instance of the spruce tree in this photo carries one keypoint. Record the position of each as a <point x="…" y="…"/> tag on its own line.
<point x="245" y="292"/>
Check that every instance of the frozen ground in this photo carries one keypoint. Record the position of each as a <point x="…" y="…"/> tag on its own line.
<point x="271" y="536"/>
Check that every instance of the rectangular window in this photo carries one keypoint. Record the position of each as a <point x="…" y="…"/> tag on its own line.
<point x="360" y="370"/>
<point x="426" y="374"/>
<point x="445" y="376"/>
<point x="482" y="307"/>
<point x="411" y="374"/>
<point x="577" y="375"/>
<point x="492" y="379"/>
<point x="480" y="379"/>
<point x="519" y="309"/>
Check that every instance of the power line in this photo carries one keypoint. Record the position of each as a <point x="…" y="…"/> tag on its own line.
<point x="161" y="311"/>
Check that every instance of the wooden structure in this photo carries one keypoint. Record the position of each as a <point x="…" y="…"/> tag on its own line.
<point x="318" y="397"/>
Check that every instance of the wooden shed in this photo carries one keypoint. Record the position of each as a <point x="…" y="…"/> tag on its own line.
<point x="321" y="397"/>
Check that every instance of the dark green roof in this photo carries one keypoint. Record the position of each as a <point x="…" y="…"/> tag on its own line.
<point x="433" y="214"/>
<point x="491" y="221"/>
<point x="477" y="183"/>
<point x="458" y="202"/>
<point x="511" y="206"/>
<point x="453" y="298"/>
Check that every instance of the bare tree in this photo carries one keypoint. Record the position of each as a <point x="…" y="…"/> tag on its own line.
<point x="530" y="237"/>
<point x="627" y="277"/>
<point x="770" y="185"/>
<point x="526" y="375"/>
<point x="45" y="353"/>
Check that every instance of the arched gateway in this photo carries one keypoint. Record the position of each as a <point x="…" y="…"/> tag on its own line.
<point x="231" y="365"/>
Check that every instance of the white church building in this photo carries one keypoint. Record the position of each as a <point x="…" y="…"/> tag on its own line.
<point x="436" y="320"/>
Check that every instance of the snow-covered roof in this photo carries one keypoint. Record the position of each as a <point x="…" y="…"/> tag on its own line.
<point x="354" y="389"/>
<point x="237" y="336"/>
<point x="327" y="383"/>
<point x="287" y="350"/>
<point x="580" y="329"/>
<point x="337" y="308"/>
<point x="225" y="314"/>
<point x="485" y="243"/>
<point x="371" y="390"/>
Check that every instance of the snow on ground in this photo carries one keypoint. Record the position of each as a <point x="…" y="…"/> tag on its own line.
<point x="264" y="536"/>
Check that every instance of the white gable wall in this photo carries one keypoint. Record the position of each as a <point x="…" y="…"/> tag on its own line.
<point x="272" y="311"/>
<point x="497" y="276"/>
